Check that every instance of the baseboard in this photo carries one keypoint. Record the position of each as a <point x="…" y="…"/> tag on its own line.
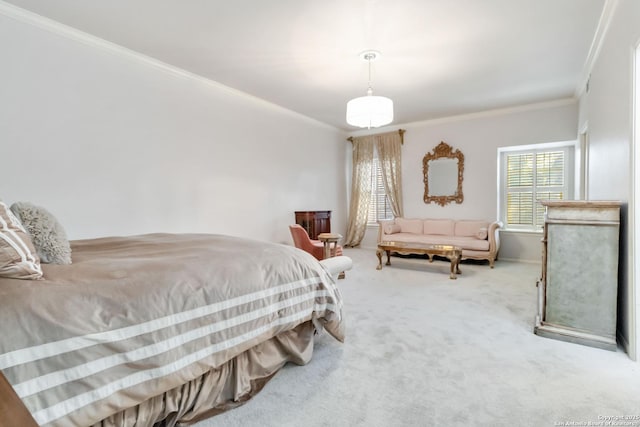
<point x="526" y="261"/>
<point x="623" y="343"/>
<point x="575" y="336"/>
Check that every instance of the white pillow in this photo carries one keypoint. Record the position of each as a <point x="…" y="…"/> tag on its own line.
<point x="18" y="257"/>
<point x="391" y="228"/>
<point x="481" y="234"/>
<point x="47" y="235"/>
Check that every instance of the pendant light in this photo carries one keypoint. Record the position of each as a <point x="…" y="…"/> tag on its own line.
<point x="370" y="111"/>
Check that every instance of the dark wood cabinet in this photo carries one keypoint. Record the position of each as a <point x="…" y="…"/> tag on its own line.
<point x="315" y="222"/>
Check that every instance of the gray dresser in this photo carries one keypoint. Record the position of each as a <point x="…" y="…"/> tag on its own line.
<point x="577" y="293"/>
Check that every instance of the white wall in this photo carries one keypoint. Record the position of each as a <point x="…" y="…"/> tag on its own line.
<point x="606" y="111"/>
<point x="479" y="136"/>
<point x="114" y="144"/>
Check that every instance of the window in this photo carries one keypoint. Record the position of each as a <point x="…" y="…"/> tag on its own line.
<point x="531" y="174"/>
<point x="379" y="207"/>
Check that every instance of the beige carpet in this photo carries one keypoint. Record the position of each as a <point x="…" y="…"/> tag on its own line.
<point x="423" y="350"/>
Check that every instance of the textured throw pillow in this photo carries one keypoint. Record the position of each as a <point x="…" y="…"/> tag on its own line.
<point x="18" y="258"/>
<point x="47" y="235"/>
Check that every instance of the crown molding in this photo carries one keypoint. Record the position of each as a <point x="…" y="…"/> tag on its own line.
<point x="604" y="23"/>
<point x="79" y="36"/>
<point x="472" y="116"/>
<point x="497" y="112"/>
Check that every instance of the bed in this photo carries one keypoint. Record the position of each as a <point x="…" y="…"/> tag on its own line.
<point x="161" y="329"/>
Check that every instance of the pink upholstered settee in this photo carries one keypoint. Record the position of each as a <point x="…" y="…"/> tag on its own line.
<point x="477" y="239"/>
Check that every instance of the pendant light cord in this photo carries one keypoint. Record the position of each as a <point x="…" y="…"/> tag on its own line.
<point x="369" y="89"/>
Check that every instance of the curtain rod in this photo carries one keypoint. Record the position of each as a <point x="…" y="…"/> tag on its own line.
<point x="400" y="131"/>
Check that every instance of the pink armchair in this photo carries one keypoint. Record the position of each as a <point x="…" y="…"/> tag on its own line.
<point x="302" y="241"/>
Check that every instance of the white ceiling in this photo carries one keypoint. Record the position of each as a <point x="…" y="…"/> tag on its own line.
<point x="439" y="57"/>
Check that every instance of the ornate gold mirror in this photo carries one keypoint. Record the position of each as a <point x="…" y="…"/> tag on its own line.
<point x="443" y="175"/>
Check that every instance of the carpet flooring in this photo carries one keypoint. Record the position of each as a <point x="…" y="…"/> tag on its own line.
<point x="424" y="350"/>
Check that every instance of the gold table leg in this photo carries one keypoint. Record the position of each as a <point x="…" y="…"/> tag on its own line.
<point x="379" y="253"/>
<point x="455" y="265"/>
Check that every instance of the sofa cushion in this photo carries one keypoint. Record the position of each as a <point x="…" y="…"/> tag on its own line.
<point x="467" y="228"/>
<point x="409" y="225"/>
<point x="440" y="227"/>
<point x="465" y="243"/>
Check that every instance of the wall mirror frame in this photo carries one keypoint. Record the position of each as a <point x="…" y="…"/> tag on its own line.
<point x="442" y="182"/>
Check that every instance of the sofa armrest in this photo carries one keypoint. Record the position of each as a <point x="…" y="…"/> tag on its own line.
<point x="493" y="234"/>
<point x="381" y="224"/>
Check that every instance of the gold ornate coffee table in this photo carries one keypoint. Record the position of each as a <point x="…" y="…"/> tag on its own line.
<point x="452" y="253"/>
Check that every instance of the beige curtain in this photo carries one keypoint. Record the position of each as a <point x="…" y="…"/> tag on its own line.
<point x="360" y="189"/>
<point x="389" y="146"/>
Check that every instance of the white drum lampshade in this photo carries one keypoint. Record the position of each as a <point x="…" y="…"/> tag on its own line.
<point x="370" y="111"/>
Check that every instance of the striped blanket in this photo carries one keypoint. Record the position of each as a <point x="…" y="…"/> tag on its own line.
<point x="134" y="317"/>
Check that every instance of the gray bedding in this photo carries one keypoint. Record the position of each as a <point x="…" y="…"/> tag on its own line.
<point x="137" y="318"/>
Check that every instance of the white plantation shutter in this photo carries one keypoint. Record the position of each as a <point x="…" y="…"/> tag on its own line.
<point x="550" y="180"/>
<point x="379" y="207"/>
<point x="520" y="189"/>
<point x="531" y="176"/>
